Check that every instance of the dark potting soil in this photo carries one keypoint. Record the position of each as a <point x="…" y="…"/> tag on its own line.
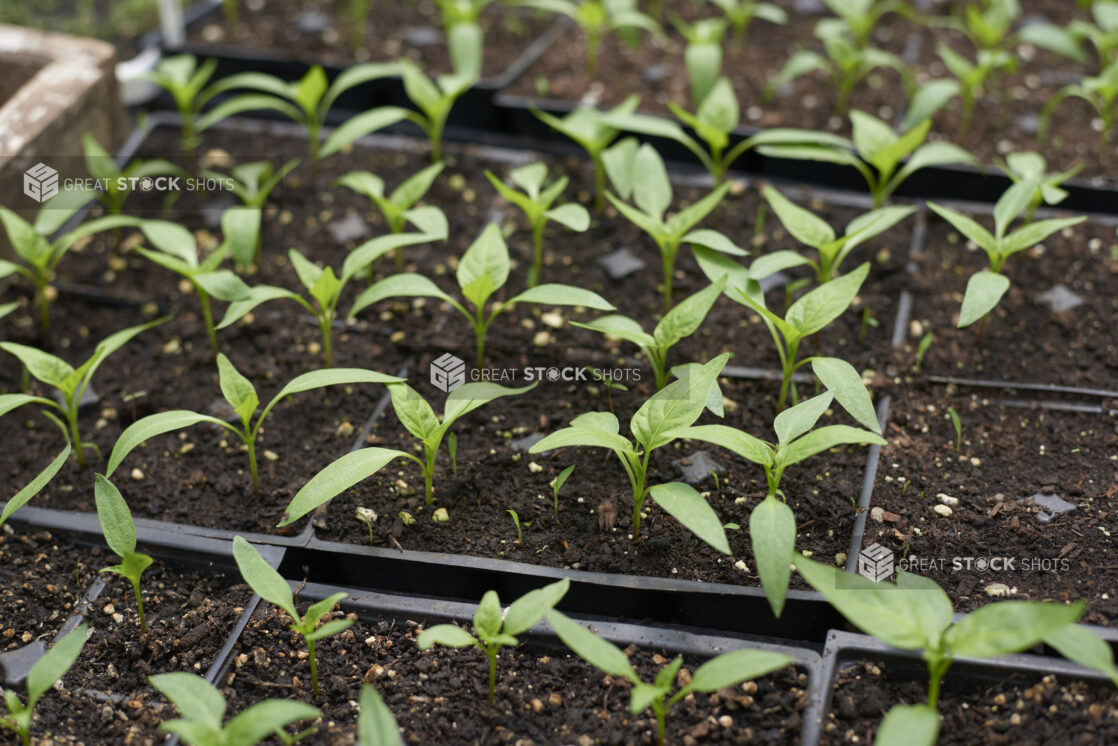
<point x="1005" y="119"/>
<point x="544" y="694"/>
<point x="595" y="506"/>
<point x="1007" y="456"/>
<point x="322" y="31"/>
<point x="42" y="578"/>
<point x="106" y="696"/>
<point x="1025" y="339"/>
<point x="1021" y="709"/>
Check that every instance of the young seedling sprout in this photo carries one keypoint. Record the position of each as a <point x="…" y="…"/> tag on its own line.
<point x="1031" y="167"/>
<point x="396" y="207"/>
<point x="986" y="288"/>
<point x="1100" y="91"/>
<point x="772" y="526"/>
<point x="740" y="14"/>
<point x="587" y="128"/>
<point x="120" y="535"/>
<point x="115" y="184"/>
<point x="817" y="234"/>
<point x="703" y="55"/>
<point x="536" y="203"/>
<point x="556" y="484"/>
<point x="270" y="586"/>
<point x="970" y="81"/>
<point x="202" y="708"/>
<point x="40" y="680"/>
<point x="922" y="349"/>
<point x="677" y="324"/>
<point x="324" y="288"/>
<point x="482" y="271"/>
<point x="598" y="19"/>
<point x="957" y="424"/>
<point x="673" y="407"/>
<point x="1101" y="33"/>
<point x="516" y="522"/>
<point x="41" y="480"/>
<point x="724" y="671"/>
<point x="376" y="725"/>
<point x="244" y="403"/>
<point x="70" y="383"/>
<point x="253" y="183"/>
<point x="923" y="622"/>
<point x="185" y="80"/>
<point x="496" y="628"/>
<point x="417" y="416"/>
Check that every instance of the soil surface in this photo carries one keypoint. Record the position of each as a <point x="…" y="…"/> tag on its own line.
<point x="1008" y="455"/>
<point x="543" y="693"/>
<point x="1005" y="118"/>
<point x="1020" y="709"/>
<point x="322" y="31"/>
<point x="106" y="697"/>
<point x="1055" y="325"/>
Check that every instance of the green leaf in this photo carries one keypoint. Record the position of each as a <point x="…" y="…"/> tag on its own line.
<point x="899" y="617"/>
<point x="402" y="285"/>
<point x="802" y="224"/>
<point x="43" y="366"/>
<point x="1033" y="233"/>
<point x="603" y="655"/>
<point x="772" y="532"/>
<point x="824" y="439"/>
<point x="734" y="440"/>
<point x="621" y="327"/>
<point x="240" y="229"/>
<point x="447" y="635"/>
<point x="984" y="290"/>
<point x="54" y="664"/>
<point x="584" y="436"/>
<point x="969" y="228"/>
<point x="908" y="725"/>
<point x="469" y="396"/>
<point x="652" y="191"/>
<point x="1008" y="627"/>
<point x="841" y="379"/>
<point x="115" y="518"/>
<point x="223" y="285"/>
<point x="487" y="256"/>
<point x="685" y="318"/>
<point x="256" y="296"/>
<point x="262" y="578"/>
<point x="8" y="402"/>
<point x="26" y="241"/>
<point x="676" y="405"/>
<point x="151" y="426"/>
<point x="930" y="97"/>
<point x="711" y="239"/>
<point x="1080" y="645"/>
<point x="362" y="124"/>
<point x="413" y="411"/>
<point x="690" y="216"/>
<point x="735" y="667"/>
<point x="815" y="310"/>
<point x="571" y="216"/>
<point x="318" y="379"/>
<point x="643" y="695"/>
<point x="554" y="294"/>
<point x="36" y="485"/>
<point x="336" y="478"/>
<point x="331" y="628"/>
<point x="237" y="390"/>
<point x="375" y="725"/>
<point x="194" y="697"/>
<point x="524" y="612"/>
<point x="265" y="718"/>
<point x="795" y="421"/>
<point x="487" y="616"/>
<point x="686" y="505"/>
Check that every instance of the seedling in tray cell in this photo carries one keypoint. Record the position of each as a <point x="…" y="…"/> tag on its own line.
<point x="556" y="484"/>
<point x="70" y="383"/>
<point x="915" y="614"/>
<point x="858" y="18"/>
<point x="36" y="485"/>
<point x="244" y="402"/>
<point x="324" y="287"/>
<point x="986" y="288"/>
<point x="1101" y="33"/>
<point x="772" y="526"/>
<point x="677" y="324"/>
<point x="419" y="419"/>
<point x="186" y="80"/>
<point x="879" y="153"/>
<point x="703" y="55"/>
<point x="40" y="680"/>
<point x="536" y="203"/>
<point x="673" y="407"/>
<point x="120" y="535"/>
<point x="202" y="708"/>
<point x="1029" y="166"/>
<point x="115" y="183"/>
<point x="270" y="586"/>
<point x="816" y="233"/>
<point x="740" y="13"/>
<point x="598" y="19"/>
<point x="1101" y="92"/>
<point x="495" y="627"/>
<point x="726" y="670"/>
<point x="971" y="79"/>
<point x="253" y="183"/>
<point x="464" y="36"/>
<point x="482" y="271"/>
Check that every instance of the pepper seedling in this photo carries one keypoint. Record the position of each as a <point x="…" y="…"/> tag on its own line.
<point x="115" y="184"/>
<point x="324" y="287"/>
<point x="255" y="181"/>
<point x="638" y="173"/>
<point x="986" y="288"/>
<point x="772" y="526"/>
<point x="482" y="271"/>
<point x="70" y="383"/>
<point x="726" y="670"/>
<point x="465" y="37"/>
<point x="970" y="77"/>
<point x="1100" y="91"/>
<point x="740" y="13"/>
<point x="396" y="207"/>
<point x="40" y="680"/>
<point x="186" y="80"/>
<point x="916" y="614"/>
<point x="1029" y="166"/>
<point x="242" y="398"/>
<point x="814" y="232"/>
<point x="879" y="152"/>
<point x="39" y="254"/>
<point x="41" y="480"/>
<point x="536" y="203"/>
<point x="496" y="628"/>
<point x="587" y="128"/>
<point x="376" y="725"/>
<point x="703" y="55"/>
<point x="675" y="406"/>
<point x="598" y="19"/>
<point x="418" y="418"/>
<point x="858" y="18"/>
<point x="270" y="586"/>
<point x="120" y="535"/>
<point x="556" y="484"/>
<point x="1101" y="33"/>
<point x="677" y="324"/>
<point x="202" y="708"/>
